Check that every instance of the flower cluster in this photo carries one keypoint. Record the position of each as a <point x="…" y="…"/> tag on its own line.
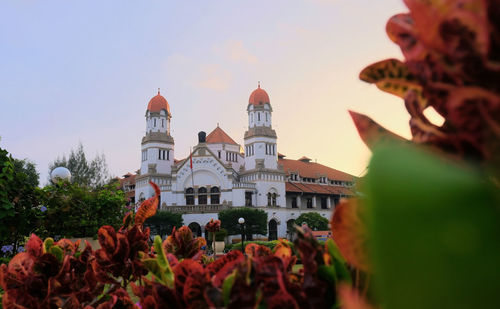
<point x="213" y="226"/>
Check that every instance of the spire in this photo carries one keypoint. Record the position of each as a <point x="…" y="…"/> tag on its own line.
<point x="258" y="83"/>
<point x="158" y="90"/>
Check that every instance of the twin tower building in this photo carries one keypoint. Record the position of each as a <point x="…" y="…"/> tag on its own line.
<point x="219" y="174"/>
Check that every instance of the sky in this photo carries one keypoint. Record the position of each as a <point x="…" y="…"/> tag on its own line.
<point x="84" y="71"/>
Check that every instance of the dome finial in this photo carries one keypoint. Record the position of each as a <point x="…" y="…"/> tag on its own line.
<point x="158" y="90"/>
<point x="258" y="83"/>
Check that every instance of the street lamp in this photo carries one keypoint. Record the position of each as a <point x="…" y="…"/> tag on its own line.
<point x="242" y="222"/>
<point x="60" y="173"/>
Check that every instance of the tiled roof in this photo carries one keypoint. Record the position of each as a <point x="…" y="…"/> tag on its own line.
<point x="218" y="136"/>
<point x="157" y="103"/>
<point x="317" y="189"/>
<point x="130" y="179"/>
<point x="259" y="97"/>
<point x="313" y="170"/>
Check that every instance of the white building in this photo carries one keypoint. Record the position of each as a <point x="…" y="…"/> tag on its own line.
<point x="222" y="176"/>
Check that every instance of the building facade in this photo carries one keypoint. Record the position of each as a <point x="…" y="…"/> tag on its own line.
<point x="220" y="174"/>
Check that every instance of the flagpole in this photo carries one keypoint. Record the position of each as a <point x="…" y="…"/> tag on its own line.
<point x="191" y="166"/>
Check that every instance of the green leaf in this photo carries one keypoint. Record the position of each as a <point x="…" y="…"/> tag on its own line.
<point x="47" y="244"/>
<point x="57" y="252"/>
<point x="342" y="273"/>
<point x="328" y="274"/>
<point x="435" y="231"/>
<point x="227" y="285"/>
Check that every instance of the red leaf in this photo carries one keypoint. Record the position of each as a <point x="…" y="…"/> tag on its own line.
<point x="349" y="233"/>
<point x="371" y="132"/>
<point x="34" y="246"/>
<point x="351" y="299"/>
<point x="255" y="251"/>
<point x="218" y="264"/>
<point x="182" y="272"/>
<point x="148" y="207"/>
<point x="107" y="239"/>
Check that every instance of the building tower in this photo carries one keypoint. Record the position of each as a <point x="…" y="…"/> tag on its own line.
<point x="157" y="147"/>
<point x="261" y="155"/>
<point x="260" y="138"/>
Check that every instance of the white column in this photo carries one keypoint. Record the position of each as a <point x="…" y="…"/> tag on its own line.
<point x="299" y="201"/>
<point x="314" y="201"/>
<point x="328" y="203"/>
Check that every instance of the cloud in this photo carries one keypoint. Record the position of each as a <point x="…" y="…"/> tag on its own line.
<point x="215" y="78"/>
<point x="236" y="52"/>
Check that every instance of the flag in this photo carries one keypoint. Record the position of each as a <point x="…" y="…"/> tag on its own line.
<point x="190" y="159"/>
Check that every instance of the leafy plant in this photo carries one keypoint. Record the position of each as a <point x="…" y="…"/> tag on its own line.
<point x="313" y="220"/>
<point x="255" y="221"/>
<point x="163" y="222"/>
<point x="428" y="209"/>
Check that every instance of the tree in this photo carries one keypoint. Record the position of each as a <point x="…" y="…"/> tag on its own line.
<point x="255" y="221"/>
<point x="79" y="211"/>
<point x="19" y="214"/>
<point x="92" y="173"/>
<point x="163" y="222"/>
<point x="313" y="220"/>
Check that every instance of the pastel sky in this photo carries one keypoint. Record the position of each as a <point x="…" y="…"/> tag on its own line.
<point x="84" y="71"/>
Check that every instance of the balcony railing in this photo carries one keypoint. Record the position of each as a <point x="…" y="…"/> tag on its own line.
<point x="246" y="185"/>
<point x="196" y="209"/>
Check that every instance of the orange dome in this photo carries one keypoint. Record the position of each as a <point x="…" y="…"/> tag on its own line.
<point x="259" y="97"/>
<point x="157" y="103"/>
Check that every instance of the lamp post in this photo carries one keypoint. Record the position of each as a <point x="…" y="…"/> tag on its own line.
<point x="242" y="222"/>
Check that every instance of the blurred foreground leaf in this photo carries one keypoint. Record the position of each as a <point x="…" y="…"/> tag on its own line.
<point x="436" y="231"/>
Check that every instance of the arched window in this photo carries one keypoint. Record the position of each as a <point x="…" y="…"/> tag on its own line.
<point x="269" y="199"/>
<point x="214" y="195"/>
<point x="189" y="196"/>
<point x="273" y="197"/>
<point x="202" y="196"/>
<point x="273" y="230"/>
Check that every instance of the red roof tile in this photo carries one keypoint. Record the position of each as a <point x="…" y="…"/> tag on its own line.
<point x="218" y="136"/>
<point x="317" y="189"/>
<point x="157" y="103"/>
<point x="313" y="170"/>
<point x="259" y="97"/>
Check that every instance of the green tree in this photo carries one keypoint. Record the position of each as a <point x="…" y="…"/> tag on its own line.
<point x="163" y="222"/>
<point x="93" y="173"/>
<point x="19" y="214"/>
<point x="79" y="211"/>
<point x="313" y="220"/>
<point x="255" y="221"/>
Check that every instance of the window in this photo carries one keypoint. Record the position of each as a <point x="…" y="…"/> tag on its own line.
<point x="202" y="196"/>
<point x="189" y="196"/>
<point x="309" y="202"/>
<point x="214" y="195"/>
<point x="258" y="116"/>
<point x="144" y="155"/>
<point x="154" y="121"/>
<point x="273" y="199"/>
<point x="323" y="203"/>
<point x="163" y="154"/>
<point x="219" y="154"/>
<point x="269" y="199"/>
<point x="248" y="198"/>
<point x="266" y="117"/>
<point x="294" y="201"/>
<point x="162" y="123"/>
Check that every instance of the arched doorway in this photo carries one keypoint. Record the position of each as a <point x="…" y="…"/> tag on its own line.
<point x="290" y="229"/>
<point x="195" y="228"/>
<point x="273" y="230"/>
